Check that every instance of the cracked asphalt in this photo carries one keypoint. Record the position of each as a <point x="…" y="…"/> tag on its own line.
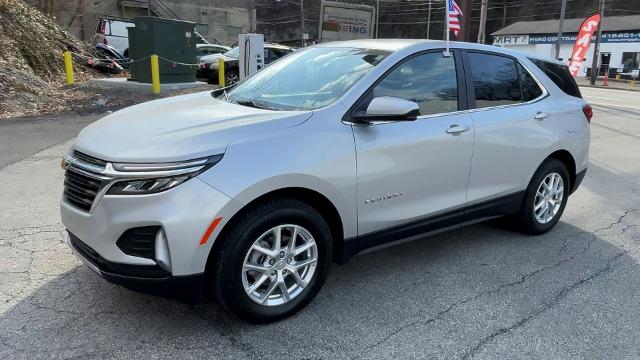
<point x="481" y="292"/>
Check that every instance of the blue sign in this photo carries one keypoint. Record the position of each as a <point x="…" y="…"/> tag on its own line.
<point x="607" y="37"/>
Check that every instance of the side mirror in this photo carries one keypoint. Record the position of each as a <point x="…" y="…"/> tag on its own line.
<point x="388" y="108"/>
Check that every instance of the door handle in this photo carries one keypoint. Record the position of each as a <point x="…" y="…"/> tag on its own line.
<point x="541" y="115"/>
<point x="456" y="129"/>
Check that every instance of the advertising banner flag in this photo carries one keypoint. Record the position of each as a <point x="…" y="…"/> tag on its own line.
<point x="583" y="41"/>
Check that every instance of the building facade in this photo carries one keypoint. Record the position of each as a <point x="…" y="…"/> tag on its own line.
<point x="217" y="20"/>
<point x="619" y="50"/>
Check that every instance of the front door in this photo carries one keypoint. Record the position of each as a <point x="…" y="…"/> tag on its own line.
<point x="409" y="171"/>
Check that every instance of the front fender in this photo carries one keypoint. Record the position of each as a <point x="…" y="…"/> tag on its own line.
<point x="316" y="155"/>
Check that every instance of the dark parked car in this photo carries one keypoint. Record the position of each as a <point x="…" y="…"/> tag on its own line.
<point x="208" y="65"/>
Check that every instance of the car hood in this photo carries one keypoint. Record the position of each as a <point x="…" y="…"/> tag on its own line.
<point x="178" y="128"/>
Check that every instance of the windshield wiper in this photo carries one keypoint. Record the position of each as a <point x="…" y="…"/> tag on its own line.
<point x="254" y="104"/>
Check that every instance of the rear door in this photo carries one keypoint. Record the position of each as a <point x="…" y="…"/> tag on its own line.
<point x="515" y="123"/>
<point x="408" y="172"/>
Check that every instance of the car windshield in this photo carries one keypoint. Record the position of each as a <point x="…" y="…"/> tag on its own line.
<point x="307" y="79"/>
<point x="233" y="53"/>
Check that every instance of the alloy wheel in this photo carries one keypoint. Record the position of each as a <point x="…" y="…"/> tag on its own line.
<point x="232" y="78"/>
<point x="279" y="265"/>
<point x="549" y="197"/>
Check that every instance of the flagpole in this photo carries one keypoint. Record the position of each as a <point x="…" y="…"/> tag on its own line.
<point x="446" y="21"/>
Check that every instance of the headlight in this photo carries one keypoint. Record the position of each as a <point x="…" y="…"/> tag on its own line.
<point x="154" y="178"/>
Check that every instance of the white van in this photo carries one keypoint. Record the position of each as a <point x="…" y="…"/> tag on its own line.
<point x="113" y="32"/>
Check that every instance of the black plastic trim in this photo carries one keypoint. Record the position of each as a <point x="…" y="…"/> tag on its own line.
<point x="116" y="269"/>
<point x="578" y="181"/>
<point x="501" y="206"/>
<point x="148" y="279"/>
<point x="139" y="241"/>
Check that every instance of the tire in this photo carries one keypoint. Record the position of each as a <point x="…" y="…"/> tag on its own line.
<point x="231" y="77"/>
<point x="527" y="218"/>
<point x="256" y="230"/>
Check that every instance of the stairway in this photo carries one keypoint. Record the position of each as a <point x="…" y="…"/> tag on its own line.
<point x="156" y="7"/>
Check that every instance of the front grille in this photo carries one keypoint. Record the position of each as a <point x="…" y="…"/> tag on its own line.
<point x="140" y="241"/>
<point x="80" y="190"/>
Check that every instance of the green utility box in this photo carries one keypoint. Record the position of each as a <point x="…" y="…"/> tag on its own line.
<point x="169" y="39"/>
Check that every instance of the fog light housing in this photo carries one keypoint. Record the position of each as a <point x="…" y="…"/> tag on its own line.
<point x="163" y="258"/>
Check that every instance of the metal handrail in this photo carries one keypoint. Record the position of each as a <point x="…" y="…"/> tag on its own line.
<point x="168" y="12"/>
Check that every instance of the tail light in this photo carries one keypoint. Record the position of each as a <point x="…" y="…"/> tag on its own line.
<point x="588" y="112"/>
<point x="103" y="25"/>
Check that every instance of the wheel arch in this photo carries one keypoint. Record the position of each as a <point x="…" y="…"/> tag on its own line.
<point x="565" y="157"/>
<point x="314" y="198"/>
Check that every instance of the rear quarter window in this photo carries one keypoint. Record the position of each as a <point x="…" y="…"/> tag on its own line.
<point x="560" y="75"/>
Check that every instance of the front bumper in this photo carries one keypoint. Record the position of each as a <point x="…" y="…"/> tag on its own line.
<point x="146" y="278"/>
<point x="184" y="213"/>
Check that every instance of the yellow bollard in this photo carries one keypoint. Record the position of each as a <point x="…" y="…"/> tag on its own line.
<point x="155" y="74"/>
<point x="68" y="67"/>
<point x="221" y="72"/>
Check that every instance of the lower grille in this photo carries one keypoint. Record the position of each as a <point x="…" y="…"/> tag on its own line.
<point x="141" y="271"/>
<point x="80" y="190"/>
<point x="140" y="241"/>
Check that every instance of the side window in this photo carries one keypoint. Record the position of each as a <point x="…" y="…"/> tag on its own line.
<point x="267" y="56"/>
<point x="429" y="80"/>
<point x="530" y="89"/>
<point x="119" y="28"/>
<point x="495" y="80"/>
<point x="560" y="75"/>
<point x="270" y="55"/>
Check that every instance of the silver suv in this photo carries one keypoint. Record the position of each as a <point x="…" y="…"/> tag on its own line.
<point x="332" y="150"/>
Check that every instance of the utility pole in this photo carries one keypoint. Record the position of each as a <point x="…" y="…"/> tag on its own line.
<point x="428" y="19"/>
<point x="563" y="8"/>
<point x="504" y="13"/>
<point x="302" y="22"/>
<point x="596" y="48"/>
<point x="378" y="17"/>
<point x="483" y="21"/>
<point x="465" y="32"/>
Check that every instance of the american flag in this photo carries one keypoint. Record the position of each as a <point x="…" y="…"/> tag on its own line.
<point x="454" y="12"/>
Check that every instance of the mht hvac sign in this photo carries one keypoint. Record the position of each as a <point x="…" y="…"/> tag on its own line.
<point x="607" y="37"/>
<point x="511" y="40"/>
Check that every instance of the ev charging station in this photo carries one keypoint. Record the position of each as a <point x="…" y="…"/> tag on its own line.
<point x="251" y="54"/>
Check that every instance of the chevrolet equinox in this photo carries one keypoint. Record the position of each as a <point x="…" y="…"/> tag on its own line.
<point x="252" y="191"/>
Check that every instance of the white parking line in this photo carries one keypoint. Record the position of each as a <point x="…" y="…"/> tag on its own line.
<point x="605" y="98"/>
<point x="610" y="104"/>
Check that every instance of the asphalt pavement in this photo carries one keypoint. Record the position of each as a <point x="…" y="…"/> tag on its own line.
<point x="21" y="138"/>
<point x="481" y="292"/>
